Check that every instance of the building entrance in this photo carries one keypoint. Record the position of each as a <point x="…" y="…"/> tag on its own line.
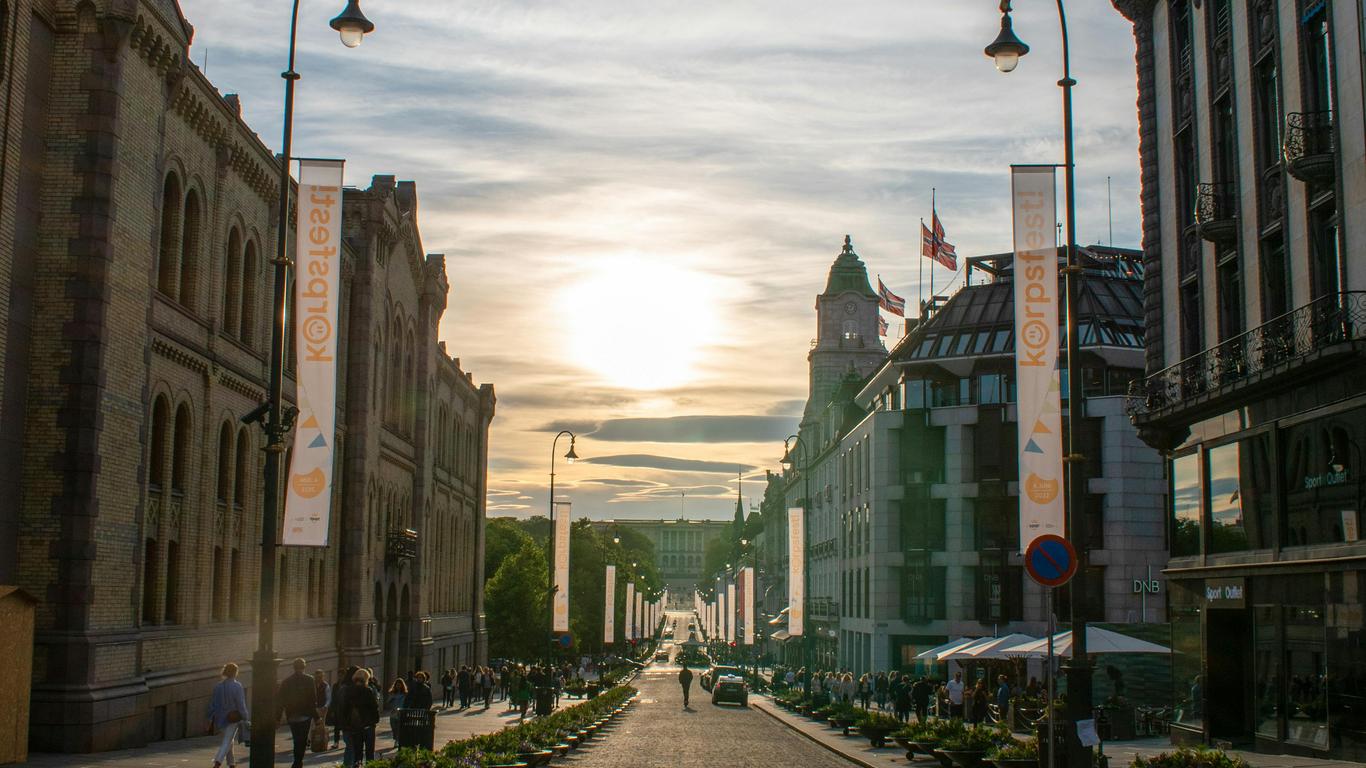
<point x="1229" y="668"/>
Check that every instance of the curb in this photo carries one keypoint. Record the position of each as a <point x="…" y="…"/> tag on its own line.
<point x="814" y="740"/>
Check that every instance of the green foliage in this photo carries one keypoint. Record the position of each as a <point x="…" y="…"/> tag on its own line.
<point x="975" y="738"/>
<point x="514" y="604"/>
<point x="879" y="721"/>
<point x="1016" y="749"/>
<point x="932" y="730"/>
<point x="1190" y="757"/>
<point x="503" y="536"/>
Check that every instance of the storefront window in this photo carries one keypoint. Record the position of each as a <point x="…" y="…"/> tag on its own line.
<point x="1227" y="532"/>
<point x="1266" y="640"/>
<point x="1323" y="480"/>
<point x="1347" y="660"/>
<point x="1186" y="505"/>
<point x="1306" y="695"/>
<point x="1187" y="681"/>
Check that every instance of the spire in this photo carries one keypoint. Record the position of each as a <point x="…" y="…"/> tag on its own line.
<point x="848" y="273"/>
<point x="739" y="504"/>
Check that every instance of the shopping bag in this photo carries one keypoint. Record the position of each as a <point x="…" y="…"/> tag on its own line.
<point x="317" y="736"/>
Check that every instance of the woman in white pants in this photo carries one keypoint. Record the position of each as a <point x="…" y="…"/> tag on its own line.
<point x="227" y="712"/>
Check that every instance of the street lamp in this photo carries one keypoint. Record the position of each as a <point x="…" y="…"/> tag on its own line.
<point x="805" y="468"/>
<point x="1007" y="50"/>
<point x="570" y="456"/>
<point x="278" y="420"/>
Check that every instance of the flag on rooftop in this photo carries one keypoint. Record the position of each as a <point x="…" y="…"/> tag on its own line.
<point x="890" y="301"/>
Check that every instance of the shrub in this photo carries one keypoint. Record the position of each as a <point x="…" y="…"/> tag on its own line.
<point x="1190" y="757"/>
<point x="932" y="730"/>
<point x="974" y="738"/>
<point x="878" y="721"/>
<point x="1016" y="749"/>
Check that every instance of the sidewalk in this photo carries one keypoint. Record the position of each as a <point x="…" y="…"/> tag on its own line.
<point x="451" y="725"/>
<point x="1121" y="753"/>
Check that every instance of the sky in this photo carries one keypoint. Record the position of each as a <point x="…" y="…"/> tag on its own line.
<point x="638" y="202"/>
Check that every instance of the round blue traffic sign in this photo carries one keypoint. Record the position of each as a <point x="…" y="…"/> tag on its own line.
<point x="1050" y="560"/>
<point x="566" y="639"/>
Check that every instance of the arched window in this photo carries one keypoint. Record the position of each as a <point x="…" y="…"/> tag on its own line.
<point x="180" y="449"/>
<point x="250" y="267"/>
<point x="234" y="585"/>
<point x="149" y="581"/>
<point x="232" y="283"/>
<point x="378" y="362"/>
<point x="393" y="389"/>
<point x="240" y="468"/>
<point x="156" y="459"/>
<point x="410" y="386"/>
<point x="167" y="260"/>
<point x="172" y="582"/>
<point x="224" y="484"/>
<point x="217" y="588"/>
<point x="189" y="252"/>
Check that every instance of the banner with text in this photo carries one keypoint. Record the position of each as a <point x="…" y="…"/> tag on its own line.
<point x="730" y="612"/>
<point x="796" y="571"/>
<point x="1034" y="198"/>
<point x="562" y="517"/>
<point x="747" y="582"/>
<point x="609" y="614"/>
<point x="317" y="293"/>
<point x="630" y="628"/>
<point x="640" y="614"/>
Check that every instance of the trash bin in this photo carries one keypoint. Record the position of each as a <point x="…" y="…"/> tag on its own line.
<point x="545" y="700"/>
<point x="416" y="728"/>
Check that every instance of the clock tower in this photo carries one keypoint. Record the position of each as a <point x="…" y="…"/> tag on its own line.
<point x="846" y="331"/>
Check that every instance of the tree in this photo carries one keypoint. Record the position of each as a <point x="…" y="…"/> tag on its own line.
<point x="514" y="604"/>
<point x="502" y="537"/>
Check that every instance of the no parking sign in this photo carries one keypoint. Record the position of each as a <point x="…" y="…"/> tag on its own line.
<point x="1050" y="560"/>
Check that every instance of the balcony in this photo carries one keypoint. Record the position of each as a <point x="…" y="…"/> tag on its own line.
<point x="1216" y="212"/>
<point x="401" y="545"/>
<point x="1308" y="147"/>
<point x="1318" y="332"/>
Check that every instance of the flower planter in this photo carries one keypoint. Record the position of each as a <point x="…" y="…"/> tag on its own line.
<point x="573" y="740"/>
<point x="877" y="737"/>
<point x="510" y="765"/>
<point x="911" y="752"/>
<point x="536" y="758"/>
<point x="944" y="760"/>
<point x="560" y="750"/>
<point x="844" y="724"/>
<point x="965" y="758"/>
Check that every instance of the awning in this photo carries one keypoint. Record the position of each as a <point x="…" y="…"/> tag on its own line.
<point x="932" y="653"/>
<point x="781" y="635"/>
<point x="993" y="649"/>
<point x="1097" y="641"/>
<point x="962" y="651"/>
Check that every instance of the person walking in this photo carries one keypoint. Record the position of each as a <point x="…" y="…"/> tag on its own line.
<point x="227" y="711"/>
<point x="447" y="680"/>
<point x="464" y="684"/>
<point x="521" y="695"/>
<point x="398" y="694"/>
<point x="955" y="687"/>
<point x="341" y="693"/>
<point x="420" y="692"/>
<point x="1003" y="698"/>
<point x="362" y="704"/>
<point x="298" y="705"/>
<point x="486" y="685"/>
<point x="920" y="698"/>
<point x="334" y="711"/>
<point x="685" y="680"/>
<point x="980" y="701"/>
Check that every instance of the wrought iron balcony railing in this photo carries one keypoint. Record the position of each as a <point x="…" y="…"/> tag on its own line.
<point x="1216" y="212"/>
<point x="401" y="544"/>
<point x="1322" y="323"/>
<point x="1308" y="147"/>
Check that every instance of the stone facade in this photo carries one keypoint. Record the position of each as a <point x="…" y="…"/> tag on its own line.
<point x="135" y="331"/>
<point x="680" y="546"/>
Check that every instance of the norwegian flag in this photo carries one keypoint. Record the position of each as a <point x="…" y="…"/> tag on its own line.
<point x="932" y="245"/>
<point x="890" y="301"/>
<point x="881" y="326"/>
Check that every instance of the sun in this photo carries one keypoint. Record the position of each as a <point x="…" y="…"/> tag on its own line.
<point x="640" y="324"/>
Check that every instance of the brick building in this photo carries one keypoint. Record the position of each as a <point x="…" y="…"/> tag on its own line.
<point x="134" y="329"/>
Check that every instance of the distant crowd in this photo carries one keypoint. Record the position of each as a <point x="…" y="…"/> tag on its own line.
<point x="905" y="694"/>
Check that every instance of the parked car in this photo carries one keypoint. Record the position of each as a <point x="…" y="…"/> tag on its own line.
<point x="715" y="673"/>
<point x="661" y="655"/>
<point x="731" y="688"/>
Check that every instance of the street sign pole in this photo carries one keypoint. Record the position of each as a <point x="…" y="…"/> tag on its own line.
<point x="1052" y="627"/>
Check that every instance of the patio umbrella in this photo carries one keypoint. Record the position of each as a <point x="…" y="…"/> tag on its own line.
<point x="993" y="649"/>
<point x="961" y="652"/>
<point x="1097" y="641"/>
<point x="938" y="649"/>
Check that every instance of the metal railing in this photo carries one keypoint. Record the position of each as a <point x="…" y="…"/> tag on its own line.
<point x="401" y="544"/>
<point x="1328" y="320"/>
<point x="1216" y="210"/>
<point x="1308" y="137"/>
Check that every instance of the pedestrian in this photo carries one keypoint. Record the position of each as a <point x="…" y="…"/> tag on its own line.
<point x="1003" y="698"/>
<point x="685" y="680"/>
<point x="227" y="711"/>
<point x="298" y="701"/>
<point x="980" y="701"/>
<point x="447" y="689"/>
<point x="486" y="685"/>
<point x="901" y="703"/>
<point x="464" y="684"/>
<point x="521" y="695"/>
<point x="362" y="704"/>
<point x="334" y="700"/>
<point x="398" y="694"/>
<point x="880" y="690"/>
<point x="420" y="692"/>
<point x="955" y="687"/>
<point x="920" y="698"/>
<point x="341" y="695"/>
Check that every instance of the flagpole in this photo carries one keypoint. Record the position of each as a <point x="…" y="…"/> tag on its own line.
<point x="934" y="241"/>
<point x="920" y="276"/>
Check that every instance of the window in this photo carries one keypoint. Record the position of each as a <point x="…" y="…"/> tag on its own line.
<point x="999" y="589"/>
<point x="250" y="268"/>
<point x="232" y="283"/>
<point x="156" y="459"/>
<point x="1223" y="469"/>
<point x="167" y="260"/>
<point x="224" y="485"/>
<point x="240" y="468"/>
<point x="149" y="582"/>
<point x="235" y="585"/>
<point x="189" y="251"/>
<point x="1268" y="105"/>
<point x="1188" y="690"/>
<point x="1229" y="296"/>
<point x="1325" y="266"/>
<point x="172" y="582"/>
<point x="997" y="524"/>
<point x="1185" y="497"/>
<point x="218" y="587"/>
<point x="1192" y="334"/>
<point x="180" y="449"/>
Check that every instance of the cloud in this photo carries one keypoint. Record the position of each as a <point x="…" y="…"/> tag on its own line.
<point x="621" y="483"/>
<point x="697" y="429"/>
<point x="667" y="462"/>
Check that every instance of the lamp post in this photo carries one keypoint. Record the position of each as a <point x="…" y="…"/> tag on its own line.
<point x="1007" y="49"/>
<point x="805" y="468"/>
<point x="275" y="418"/>
<point x="569" y="456"/>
